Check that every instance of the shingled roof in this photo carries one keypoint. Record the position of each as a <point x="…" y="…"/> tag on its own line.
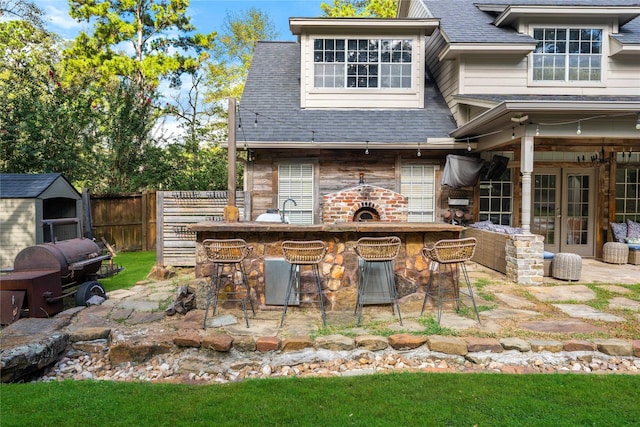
<point x="26" y="186"/>
<point x="272" y="91"/>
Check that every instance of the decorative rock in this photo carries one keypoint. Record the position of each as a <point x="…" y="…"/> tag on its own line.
<point x="89" y="334"/>
<point x="296" y="343"/>
<point x="218" y="342"/>
<point x="371" y="342"/>
<point x="406" y="341"/>
<point x="483" y="344"/>
<point x="579" y="345"/>
<point x="335" y="343"/>
<point x="95" y="346"/>
<point x="187" y="338"/>
<point x="546" y="345"/>
<point x="447" y="345"/>
<point x="614" y="347"/>
<point x="244" y="343"/>
<point x="138" y="348"/>
<point x="635" y="344"/>
<point x="264" y="344"/>
<point x="512" y="343"/>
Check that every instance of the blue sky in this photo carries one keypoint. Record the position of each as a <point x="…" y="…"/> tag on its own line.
<point x="206" y="15"/>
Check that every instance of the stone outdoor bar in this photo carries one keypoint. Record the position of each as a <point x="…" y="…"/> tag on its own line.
<point x="339" y="269"/>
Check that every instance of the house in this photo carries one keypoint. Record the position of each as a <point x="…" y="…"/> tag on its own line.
<point x="545" y="93"/>
<point x="33" y="208"/>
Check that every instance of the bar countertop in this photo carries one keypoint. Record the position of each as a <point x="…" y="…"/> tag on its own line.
<point x="349" y="227"/>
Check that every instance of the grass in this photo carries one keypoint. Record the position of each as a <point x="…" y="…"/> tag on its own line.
<point x="399" y="399"/>
<point x="137" y="266"/>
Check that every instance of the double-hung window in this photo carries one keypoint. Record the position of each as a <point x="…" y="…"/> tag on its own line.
<point x="417" y="182"/>
<point x="295" y="181"/>
<point x="362" y="63"/>
<point x="496" y="200"/>
<point x="567" y="54"/>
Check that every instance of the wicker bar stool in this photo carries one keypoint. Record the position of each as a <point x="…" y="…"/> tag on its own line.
<point x="298" y="254"/>
<point x="377" y="251"/>
<point x="449" y="255"/>
<point x="229" y="254"/>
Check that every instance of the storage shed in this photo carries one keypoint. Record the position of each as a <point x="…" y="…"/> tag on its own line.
<point x="36" y="208"/>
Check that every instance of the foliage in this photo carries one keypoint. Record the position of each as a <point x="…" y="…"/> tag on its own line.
<point x="368" y="400"/>
<point x="156" y="31"/>
<point x="363" y="8"/>
<point x="23" y="10"/>
<point x="137" y="265"/>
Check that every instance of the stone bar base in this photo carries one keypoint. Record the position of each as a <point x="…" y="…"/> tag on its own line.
<point x="525" y="263"/>
<point x="339" y="268"/>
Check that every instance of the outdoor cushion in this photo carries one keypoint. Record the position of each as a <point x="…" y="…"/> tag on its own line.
<point x="633" y="229"/>
<point x="634" y="247"/>
<point x="633" y="240"/>
<point x="547" y="255"/>
<point x="619" y="230"/>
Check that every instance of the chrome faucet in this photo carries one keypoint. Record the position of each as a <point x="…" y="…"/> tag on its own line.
<point x="284" y="210"/>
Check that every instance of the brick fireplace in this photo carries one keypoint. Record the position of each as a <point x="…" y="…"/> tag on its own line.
<point x="364" y="203"/>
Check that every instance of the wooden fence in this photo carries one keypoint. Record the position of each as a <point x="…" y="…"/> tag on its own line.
<point x="126" y="221"/>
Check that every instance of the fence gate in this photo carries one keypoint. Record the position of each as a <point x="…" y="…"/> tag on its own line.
<point x="176" y="244"/>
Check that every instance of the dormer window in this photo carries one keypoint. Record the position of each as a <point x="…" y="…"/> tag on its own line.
<point x="567" y="54"/>
<point x="362" y="63"/>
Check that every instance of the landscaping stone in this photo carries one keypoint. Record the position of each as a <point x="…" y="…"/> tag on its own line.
<point x="335" y="342"/>
<point x="614" y="347"/>
<point x="514" y="301"/>
<point x="579" y="345"/>
<point x="187" y="338"/>
<point x="371" y="342"/>
<point x="217" y="342"/>
<point x="483" y="344"/>
<point x="616" y="288"/>
<point x="89" y="334"/>
<point x="447" y="345"/>
<point x="635" y="344"/>
<point x="406" y="341"/>
<point x="244" y="343"/>
<point x="138" y="348"/>
<point x="513" y="343"/>
<point x="296" y="343"/>
<point x="621" y="303"/>
<point x="264" y="344"/>
<point x="546" y="345"/>
<point x="561" y="326"/>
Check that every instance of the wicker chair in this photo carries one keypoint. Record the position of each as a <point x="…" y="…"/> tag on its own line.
<point x="449" y="255"/>
<point x="228" y="254"/>
<point x="377" y="251"/>
<point x="298" y="254"/>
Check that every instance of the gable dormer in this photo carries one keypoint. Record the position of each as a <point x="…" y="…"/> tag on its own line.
<point x="358" y="63"/>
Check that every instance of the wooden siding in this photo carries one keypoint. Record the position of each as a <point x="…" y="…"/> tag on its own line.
<point x="336" y="171"/>
<point x="445" y="73"/>
<point x="311" y="97"/>
<point x="18" y="230"/>
<point x="176" y="210"/>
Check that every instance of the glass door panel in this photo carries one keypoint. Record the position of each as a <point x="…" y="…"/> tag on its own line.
<point x="578" y="212"/>
<point x="546" y="208"/>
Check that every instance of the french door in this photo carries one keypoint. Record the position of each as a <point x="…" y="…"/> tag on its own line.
<point x="563" y="209"/>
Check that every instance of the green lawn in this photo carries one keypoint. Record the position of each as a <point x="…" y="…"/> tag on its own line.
<point x="404" y="399"/>
<point x="137" y="266"/>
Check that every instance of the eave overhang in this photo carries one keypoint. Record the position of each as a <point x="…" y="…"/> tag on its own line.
<point x="502" y="114"/>
<point x="512" y="14"/>
<point x="454" y="50"/>
<point x="343" y="25"/>
<point x="427" y="144"/>
<point x="618" y="48"/>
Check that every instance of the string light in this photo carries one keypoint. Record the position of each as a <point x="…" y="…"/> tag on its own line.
<point x="537" y="130"/>
<point x="513" y="132"/>
<point x="255" y="122"/>
<point x="313" y="136"/>
<point x="579" y="130"/>
<point x="468" y="145"/>
<point x="419" y="154"/>
<point x="366" y="148"/>
<point x="638" y="122"/>
<point x="240" y="122"/>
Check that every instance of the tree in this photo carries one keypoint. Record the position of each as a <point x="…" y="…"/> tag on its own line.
<point x="22" y="10"/>
<point x="148" y="27"/>
<point x="364" y="8"/>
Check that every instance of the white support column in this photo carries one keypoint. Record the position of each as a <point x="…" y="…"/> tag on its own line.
<point x="526" y="167"/>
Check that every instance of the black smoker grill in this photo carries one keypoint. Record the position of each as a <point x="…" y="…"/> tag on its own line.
<point x="49" y="272"/>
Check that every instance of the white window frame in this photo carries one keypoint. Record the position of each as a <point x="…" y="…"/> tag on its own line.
<point x="498" y="198"/>
<point x="336" y="73"/>
<point x="566" y="82"/>
<point x="418" y="183"/>
<point x="296" y="181"/>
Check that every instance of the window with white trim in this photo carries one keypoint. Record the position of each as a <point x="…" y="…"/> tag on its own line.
<point x="362" y="63"/>
<point x="567" y="54"/>
<point x="417" y="182"/>
<point x="496" y="200"/>
<point x="295" y="181"/>
<point x="628" y="194"/>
